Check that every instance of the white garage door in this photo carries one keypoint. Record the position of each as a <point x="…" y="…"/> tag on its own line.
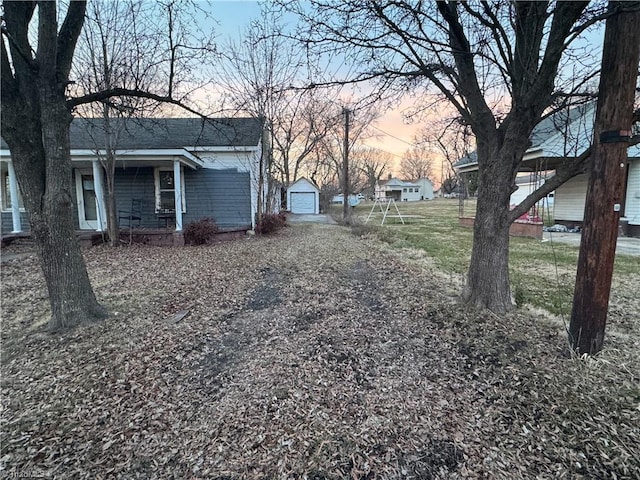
<point x="303" y="202"/>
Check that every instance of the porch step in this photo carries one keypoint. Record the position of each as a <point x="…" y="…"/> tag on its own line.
<point x="89" y="239"/>
<point x="22" y="238"/>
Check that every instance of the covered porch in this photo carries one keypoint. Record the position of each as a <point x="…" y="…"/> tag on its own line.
<point x="148" y="187"/>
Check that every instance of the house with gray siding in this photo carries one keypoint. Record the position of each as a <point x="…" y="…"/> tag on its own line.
<point x="169" y="172"/>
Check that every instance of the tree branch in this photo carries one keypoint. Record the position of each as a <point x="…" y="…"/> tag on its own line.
<point x="125" y="92"/>
<point x="68" y="36"/>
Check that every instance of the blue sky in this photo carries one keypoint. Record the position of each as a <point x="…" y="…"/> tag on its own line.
<point x="233" y="16"/>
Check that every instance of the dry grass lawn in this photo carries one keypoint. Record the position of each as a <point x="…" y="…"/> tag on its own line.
<point x="312" y="353"/>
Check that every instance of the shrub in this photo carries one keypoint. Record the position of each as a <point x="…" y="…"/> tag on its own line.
<point x="200" y="232"/>
<point x="271" y="222"/>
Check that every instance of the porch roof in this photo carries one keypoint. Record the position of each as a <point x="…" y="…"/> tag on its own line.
<point x="140" y="158"/>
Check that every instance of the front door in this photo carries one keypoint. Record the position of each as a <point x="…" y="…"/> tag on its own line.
<point x="87" y="205"/>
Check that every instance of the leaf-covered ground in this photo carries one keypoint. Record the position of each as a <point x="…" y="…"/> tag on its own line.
<point x="311" y="354"/>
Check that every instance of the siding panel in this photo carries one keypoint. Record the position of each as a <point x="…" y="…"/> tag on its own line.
<point x="224" y="195"/>
<point x="632" y="202"/>
<point x="7" y="222"/>
<point x="570" y="198"/>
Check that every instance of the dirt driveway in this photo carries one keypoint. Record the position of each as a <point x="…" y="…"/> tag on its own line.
<point x="312" y="354"/>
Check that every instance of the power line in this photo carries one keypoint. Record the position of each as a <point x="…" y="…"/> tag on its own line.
<point x="382" y="150"/>
<point x="393" y="136"/>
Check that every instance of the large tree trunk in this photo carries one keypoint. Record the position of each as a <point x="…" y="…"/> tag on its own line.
<point x="488" y="277"/>
<point x="35" y="125"/>
<point x="71" y="297"/>
<point x="70" y="293"/>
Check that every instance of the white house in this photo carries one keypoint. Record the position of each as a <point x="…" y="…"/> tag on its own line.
<point x="303" y="196"/>
<point x="562" y="137"/>
<point x="571" y="141"/>
<point x="399" y="190"/>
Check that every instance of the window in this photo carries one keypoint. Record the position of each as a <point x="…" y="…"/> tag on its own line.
<point x="5" y="192"/>
<point x="166" y="191"/>
<point x="404" y="190"/>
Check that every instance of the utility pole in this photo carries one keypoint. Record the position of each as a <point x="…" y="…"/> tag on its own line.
<point x="345" y="168"/>
<point x="612" y="131"/>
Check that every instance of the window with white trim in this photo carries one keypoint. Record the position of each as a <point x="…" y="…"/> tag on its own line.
<point x="5" y="193"/>
<point x="166" y="190"/>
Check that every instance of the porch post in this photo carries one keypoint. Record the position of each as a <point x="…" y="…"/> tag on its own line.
<point x="13" y="194"/>
<point x="97" y="187"/>
<point x="178" y="194"/>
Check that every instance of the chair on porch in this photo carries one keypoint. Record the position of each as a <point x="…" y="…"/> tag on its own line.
<point x="133" y="216"/>
<point x="166" y="218"/>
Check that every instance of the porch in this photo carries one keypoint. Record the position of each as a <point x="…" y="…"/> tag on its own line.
<point x="159" y="237"/>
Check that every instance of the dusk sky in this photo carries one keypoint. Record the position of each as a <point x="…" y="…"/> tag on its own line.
<point x="235" y="16"/>
<point x="395" y="135"/>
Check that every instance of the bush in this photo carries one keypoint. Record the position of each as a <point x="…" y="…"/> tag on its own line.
<point x="200" y="232"/>
<point x="271" y="222"/>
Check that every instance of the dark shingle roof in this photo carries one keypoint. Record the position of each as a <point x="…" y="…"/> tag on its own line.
<point x="467" y="159"/>
<point x="161" y="133"/>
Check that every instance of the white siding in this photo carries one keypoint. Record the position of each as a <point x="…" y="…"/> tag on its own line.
<point x="570" y="198"/>
<point x="523" y="191"/>
<point x="426" y="188"/>
<point x="410" y="194"/>
<point x="632" y="202"/>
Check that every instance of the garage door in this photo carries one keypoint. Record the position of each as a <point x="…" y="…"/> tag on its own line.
<point x="303" y="202"/>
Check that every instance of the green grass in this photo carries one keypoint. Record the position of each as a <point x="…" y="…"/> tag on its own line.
<point x="542" y="273"/>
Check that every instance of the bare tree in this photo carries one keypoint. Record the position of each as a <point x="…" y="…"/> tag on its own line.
<point x="36" y="114"/>
<point x="125" y="43"/>
<point x="497" y="64"/>
<point x="417" y="162"/>
<point x="372" y="162"/>
<point x="258" y="74"/>
<point x="109" y="54"/>
<point x="452" y="139"/>
<point x="330" y="151"/>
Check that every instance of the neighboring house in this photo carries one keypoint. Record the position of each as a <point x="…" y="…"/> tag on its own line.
<point x="562" y="137"/>
<point x="399" y="190"/>
<point x="207" y="168"/>
<point x="303" y="196"/>
<point x="426" y="188"/>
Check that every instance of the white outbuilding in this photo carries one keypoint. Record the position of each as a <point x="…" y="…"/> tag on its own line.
<point x="303" y="196"/>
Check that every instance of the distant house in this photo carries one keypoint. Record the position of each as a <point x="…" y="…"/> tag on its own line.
<point x="303" y="196"/>
<point x="354" y="199"/>
<point x="171" y="170"/>
<point x="562" y="137"/>
<point x="399" y="190"/>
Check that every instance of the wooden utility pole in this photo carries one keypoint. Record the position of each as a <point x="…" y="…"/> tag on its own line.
<point x="346" y="209"/>
<point x="612" y="131"/>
